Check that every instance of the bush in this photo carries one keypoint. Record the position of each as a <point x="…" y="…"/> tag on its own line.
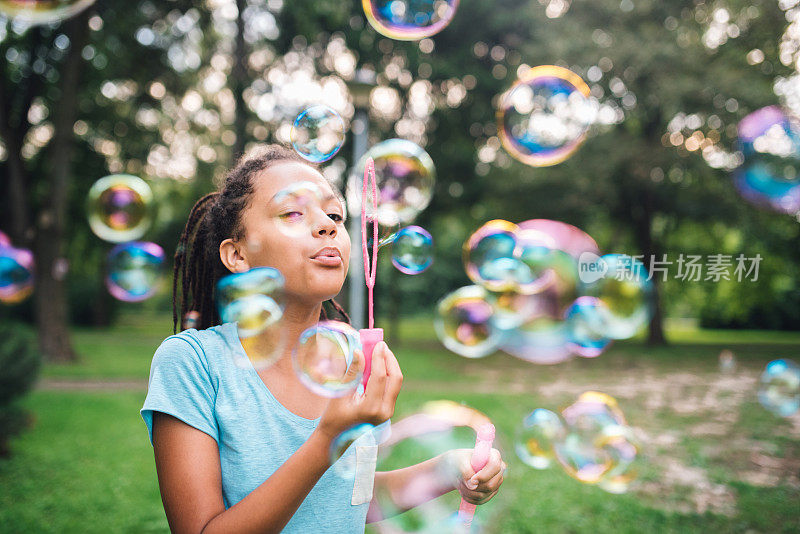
<point x="20" y="361"/>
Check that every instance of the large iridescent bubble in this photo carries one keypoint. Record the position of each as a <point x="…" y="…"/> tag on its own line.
<point x="770" y="174"/>
<point x="318" y="133"/>
<point x="544" y="117"/>
<point x="409" y="20"/>
<point x="779" y="390"/>
<point x="405" y="176"/>
<point x="134" y="270"/>
<point x="16" y="274"/>
<point x="36" y="12"/>
<point x="412" y="250"/>
<point x="438" y="429"/>
<point x="599" y="445"/>
<point x="536" y="435"/>
<point x="328" y="359"/>
<point x="254" y="301"/>
<point x="120" y="208"/>
<point x="463" y="323"/>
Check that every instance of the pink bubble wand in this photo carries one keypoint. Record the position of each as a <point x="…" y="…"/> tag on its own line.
<point x="369" y="336"/>
<point x="480" y="457"/>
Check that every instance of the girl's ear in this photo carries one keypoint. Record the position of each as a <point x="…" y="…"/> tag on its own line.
<point x="232" y="255"/>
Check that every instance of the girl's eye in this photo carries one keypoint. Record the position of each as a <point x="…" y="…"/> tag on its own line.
<point x="335" y="217"/>
<point x="291" y="215"/>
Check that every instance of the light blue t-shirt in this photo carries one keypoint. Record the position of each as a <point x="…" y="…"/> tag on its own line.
<point x="205" y="379"/>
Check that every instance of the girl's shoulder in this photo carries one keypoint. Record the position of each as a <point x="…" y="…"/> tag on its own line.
<point x="205" y="347"/>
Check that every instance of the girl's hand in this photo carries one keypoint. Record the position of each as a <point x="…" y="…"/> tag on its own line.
<point x="480" y="487"/>
<point x="376" y="405"/>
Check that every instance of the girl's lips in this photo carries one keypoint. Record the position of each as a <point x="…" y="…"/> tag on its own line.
<point x="328" y="261"/>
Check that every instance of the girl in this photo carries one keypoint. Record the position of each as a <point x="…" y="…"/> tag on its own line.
<point x="238" y="450"/>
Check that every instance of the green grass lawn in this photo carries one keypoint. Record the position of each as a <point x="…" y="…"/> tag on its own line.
<point x="712" y="459"/>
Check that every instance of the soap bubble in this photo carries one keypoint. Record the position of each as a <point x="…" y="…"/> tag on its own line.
<point x="770" y="174"/>
<point x="598" y="443"/>
<point x="296" y="203"/>
<point x="489" y="257"/>
<point x="36" y="12"/>
<point x="190" y="320"/>
<point x="409" y="20"/>
<point x="779" y="391"/>
<point x="626" y="291"/>
<point x="5" y="241"/>
<point x="134" y="270"/>
<point x="535" y="437"/>
<point x="543" y="118"/>
<point x="357" y="446"/>
<point x="404" y="175"/>
<point x="16" y="274"/>
<point x="324" y="355"/>
<point x="318" y="133"/>
<point x="463" y="323"/>
<point x="412" y="250"/>
<point x="254" y="300"/>
<point x="727" y="361"/>
<point x="585" y="321"/>
<point x="434" y="430"/>
<point x="119" y="208"/>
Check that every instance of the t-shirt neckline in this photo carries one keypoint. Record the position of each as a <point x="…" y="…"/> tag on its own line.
<point x="251" y="371"/>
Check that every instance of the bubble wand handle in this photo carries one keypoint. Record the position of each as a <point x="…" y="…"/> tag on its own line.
<point x="480" y="457"/>
<point x="369" y="336"/>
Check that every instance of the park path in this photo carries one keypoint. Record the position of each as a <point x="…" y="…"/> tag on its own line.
<point x="104" y="385"/>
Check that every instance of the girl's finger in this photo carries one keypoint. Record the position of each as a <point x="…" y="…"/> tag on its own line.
<point x="377" y="377"/>
<point x="395" y="379"/>
<point x="492" y="468"/>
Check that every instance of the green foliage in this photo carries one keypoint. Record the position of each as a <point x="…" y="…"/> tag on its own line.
<point x="19" y="366"/>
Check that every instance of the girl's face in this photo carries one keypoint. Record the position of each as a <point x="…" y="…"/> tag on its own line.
<point x="301" y="235"/>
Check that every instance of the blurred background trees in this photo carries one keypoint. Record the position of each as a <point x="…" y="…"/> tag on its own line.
<point x="174" y="91"/>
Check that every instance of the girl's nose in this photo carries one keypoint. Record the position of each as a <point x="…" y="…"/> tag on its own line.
<point x="325" y="226"/>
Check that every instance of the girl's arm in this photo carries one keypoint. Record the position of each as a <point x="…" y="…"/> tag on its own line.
<point x="417" y="484"/>
<point x="189" y="473"/>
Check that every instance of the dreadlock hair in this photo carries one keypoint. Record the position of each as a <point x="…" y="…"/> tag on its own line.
<point x="214" y="218"/>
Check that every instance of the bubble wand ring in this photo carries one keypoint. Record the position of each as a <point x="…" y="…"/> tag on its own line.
<point x="369" y="336"/>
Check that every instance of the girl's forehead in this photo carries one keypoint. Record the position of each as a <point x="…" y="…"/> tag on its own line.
<point x="280" y="176"/>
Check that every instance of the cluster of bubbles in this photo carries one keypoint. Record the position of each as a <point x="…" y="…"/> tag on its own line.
<point x="438" y="428"/>
<point x="770" y="173"/>
<point x="542" y="294"/>
<point x="318" y="133"/>
<point x="779" y="388"/>
<point x="16" y="272"/>
<point x="120" y="210"/>
<point x="589" y="439"/>
<point x="544" y="117"/>
<point x="36" y="12"/>
<point x="409" y="20"/>
<point x="328" y="357"/>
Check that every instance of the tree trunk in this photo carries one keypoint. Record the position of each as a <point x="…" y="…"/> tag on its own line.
<point x="643" y="224"/>
<point x="50" y="297"/>
<point x="239" y="75"/>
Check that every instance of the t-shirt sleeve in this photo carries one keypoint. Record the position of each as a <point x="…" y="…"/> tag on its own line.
<point x="180" y="385"/>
